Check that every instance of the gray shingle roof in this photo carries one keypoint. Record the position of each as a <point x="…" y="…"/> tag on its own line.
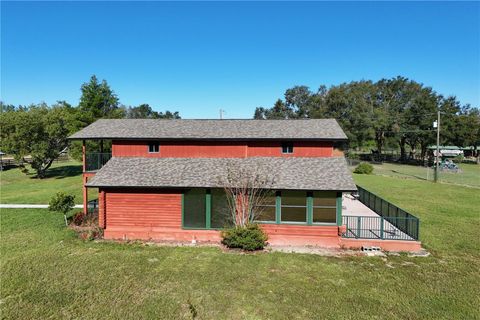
<point x="288" y="173"/>
<point x="308" y="129"/>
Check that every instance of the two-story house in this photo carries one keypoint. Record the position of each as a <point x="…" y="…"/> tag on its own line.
<point x="161" y="180"/>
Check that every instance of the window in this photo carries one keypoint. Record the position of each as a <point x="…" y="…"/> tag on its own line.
<point x="287" y="147"/>
<point x="220" y="215"/>
<point x="294" y="206"/>
<point x="324" y="207"/>
<point x="267" y="209"/>
<point x="194" y="203"/>
<point x="153" y="147"/>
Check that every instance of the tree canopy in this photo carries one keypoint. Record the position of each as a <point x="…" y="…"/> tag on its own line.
<point x="390" y="111"/>
<point x="36" y="131"/>
<point x="40" y="131"/>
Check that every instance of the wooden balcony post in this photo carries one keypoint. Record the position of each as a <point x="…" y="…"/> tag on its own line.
<point x="84" y="180"/>
<point x="83" y="156"/>
<point x="85" y="195"/>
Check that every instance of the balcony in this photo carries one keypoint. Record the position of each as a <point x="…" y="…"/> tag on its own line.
<point x="95" y="161"/>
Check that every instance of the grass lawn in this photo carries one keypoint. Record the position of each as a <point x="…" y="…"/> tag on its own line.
<point x="46" y="272"/>
<point x="469" y="175"/>
<point x="16" y="187"/>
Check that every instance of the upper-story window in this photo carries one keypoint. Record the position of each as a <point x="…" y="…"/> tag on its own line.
<point x="153" y="147"/>
<point x="287" y="147"/>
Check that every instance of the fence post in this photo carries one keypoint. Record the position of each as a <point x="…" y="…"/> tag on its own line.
<point x="382" y="221"/>
<point x="359" y="221"/>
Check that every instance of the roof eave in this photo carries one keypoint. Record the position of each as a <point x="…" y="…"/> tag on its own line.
<point x="207" y="139"/>
<point x="208" y="187"/>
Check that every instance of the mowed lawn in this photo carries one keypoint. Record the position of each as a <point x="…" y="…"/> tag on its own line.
<point x="47" y="273"/>
<point x="469" y="174"/>
<point x="17" y="187"/>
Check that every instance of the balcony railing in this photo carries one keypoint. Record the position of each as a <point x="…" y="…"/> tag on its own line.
<point x="95" y="161"/>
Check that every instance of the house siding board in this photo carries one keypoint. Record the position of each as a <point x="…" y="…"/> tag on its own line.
<point x="143" y="208"/>
<point x="180" y="149"/>
<point x="209" y="149"/>
<point x="300" y="149"/>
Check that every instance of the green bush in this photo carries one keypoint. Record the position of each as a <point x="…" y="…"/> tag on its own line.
<point x="364" y="168"/>
<point x="250" y="237"/>
<point x="63" y="203"/>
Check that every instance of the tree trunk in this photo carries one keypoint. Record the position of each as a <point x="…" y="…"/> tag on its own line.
<point x="423" y="151"/>
<point x="402" y="143"/>
<point x="41" y="172"/>
<point x="379" y="136"/>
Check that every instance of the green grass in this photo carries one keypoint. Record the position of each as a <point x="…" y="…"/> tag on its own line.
<point x="469" y="175"/>
<point x="17" y="187"/>
<point x="46" y="272"/>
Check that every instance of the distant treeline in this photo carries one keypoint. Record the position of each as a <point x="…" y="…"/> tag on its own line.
<point x="41" y="131"/>
<point x="394" y="112"/>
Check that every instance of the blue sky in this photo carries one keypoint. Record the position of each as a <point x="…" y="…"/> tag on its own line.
<point x="199" y="57"/>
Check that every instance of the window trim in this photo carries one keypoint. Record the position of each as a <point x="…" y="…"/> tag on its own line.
<point x="154" y="144"/>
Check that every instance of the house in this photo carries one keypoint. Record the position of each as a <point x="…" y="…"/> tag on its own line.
<point x="159" y="179"/>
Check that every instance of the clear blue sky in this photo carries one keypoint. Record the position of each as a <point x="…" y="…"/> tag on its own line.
<point x="199" y="57"/>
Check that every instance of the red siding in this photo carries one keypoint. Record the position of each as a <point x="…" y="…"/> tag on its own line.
<point x="300" y="149"/>
<point x="180" y="149"/>
<point x="205" y="149"/>
<point x="143" y="208"/>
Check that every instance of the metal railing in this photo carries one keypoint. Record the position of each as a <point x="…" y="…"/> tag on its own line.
<point x="92" y="206"/>
<point x="389" y="215"/>
<point x="368" y="227"/>
<point x="95" y="161"/>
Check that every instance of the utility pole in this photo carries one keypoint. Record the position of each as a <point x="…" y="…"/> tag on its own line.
<point x="221" y="113"/>
<point x="438" y="148"/>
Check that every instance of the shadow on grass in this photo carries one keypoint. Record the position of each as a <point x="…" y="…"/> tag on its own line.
<point x="63" y="172"/>
<point x="410" y="175"/>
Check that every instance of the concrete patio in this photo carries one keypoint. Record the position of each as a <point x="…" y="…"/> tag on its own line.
<point x="370" y="227"/>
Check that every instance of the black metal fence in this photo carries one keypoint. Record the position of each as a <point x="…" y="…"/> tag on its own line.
<point x="92" y="206"/>
<point x="95" y="161"/>
<point x="371" y="227"/>
<point x="390" y="217"/>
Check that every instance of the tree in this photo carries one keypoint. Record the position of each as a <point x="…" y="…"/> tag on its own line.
<point x="37" y="131"/>
<point x="352" y="104"/>
<point x="246" y="189"/>
<point x="279" y="111"/>
<point x="6" y="107"/>
<point x="98" y="101"/>
<point x="299" y="100"/>
<point x="144" y="111"/>
<point x="62" y="203"/>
